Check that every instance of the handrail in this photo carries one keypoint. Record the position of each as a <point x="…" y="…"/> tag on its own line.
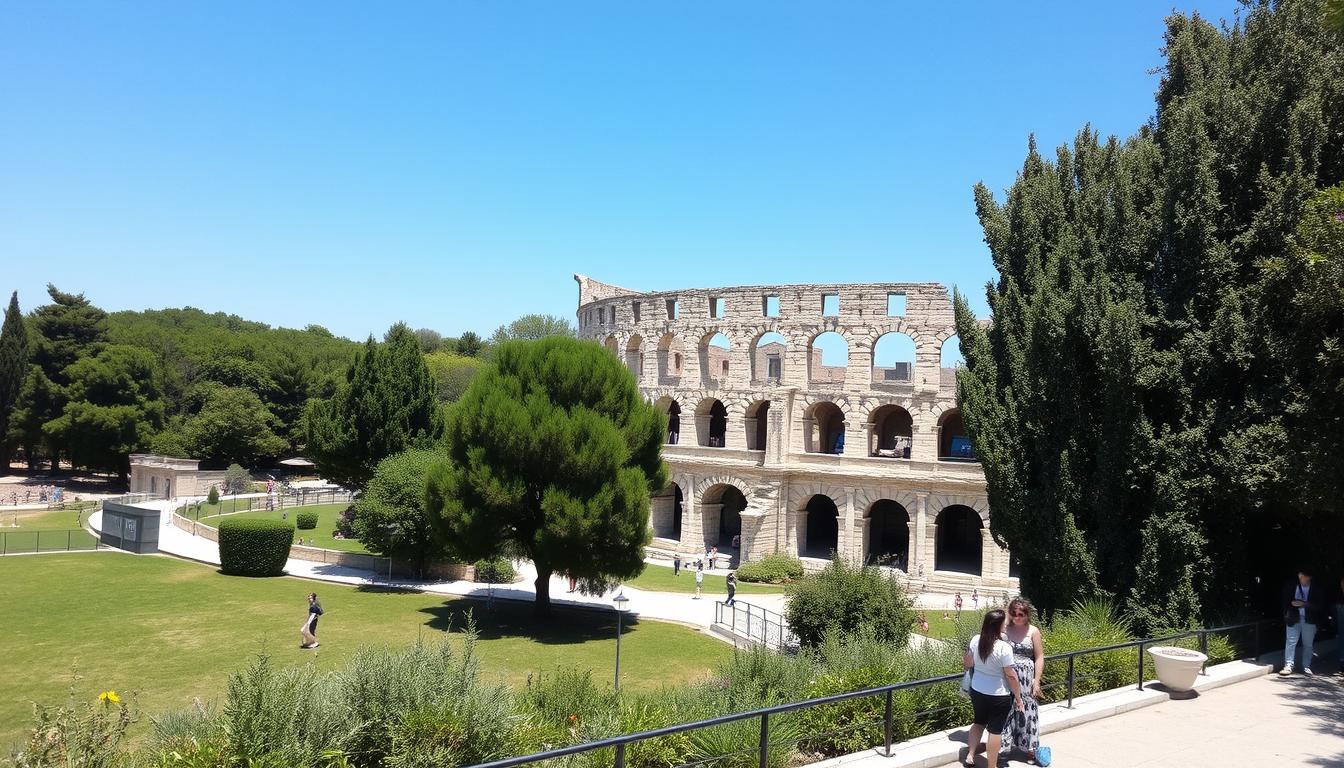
<point x="620" y="742"/>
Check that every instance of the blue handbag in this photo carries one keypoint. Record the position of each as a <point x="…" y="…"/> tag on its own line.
<point x="1043" y="755"/>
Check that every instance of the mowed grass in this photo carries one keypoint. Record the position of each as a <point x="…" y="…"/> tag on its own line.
<point x="327" y="517"/>
<point x="659" y="578"/>
<point x="44" y="531"/>
<point x="172" y="630"/>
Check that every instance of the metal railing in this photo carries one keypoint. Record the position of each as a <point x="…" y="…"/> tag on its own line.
<point x="756" y="624"/>
<point x="884" y="694"/>
<point x="28" y="542"/>
<point x="300" y="497"/>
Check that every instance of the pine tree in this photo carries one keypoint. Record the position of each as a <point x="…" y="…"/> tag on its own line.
<point x="13" y="367"/>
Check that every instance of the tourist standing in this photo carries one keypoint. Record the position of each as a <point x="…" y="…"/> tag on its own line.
<point x="732" y="589"/>
<point x="699" y="579"/>
<point x="309" y="628"/>
<point x="975" y="598"/>
<point x="956" y="603"/>
<point x="1024" y="728"/>
<point x="1302" y="612"/>
<point x="676" y="565"/>
<point x="995" y="692"/>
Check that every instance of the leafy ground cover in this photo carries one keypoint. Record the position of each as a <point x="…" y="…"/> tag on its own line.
<point x="169" y="631"/>
<point x="659" y="578"/>
<point x="327" y="517"/>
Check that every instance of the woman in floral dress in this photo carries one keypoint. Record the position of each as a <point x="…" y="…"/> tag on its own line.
<point x="1023" y="730"/>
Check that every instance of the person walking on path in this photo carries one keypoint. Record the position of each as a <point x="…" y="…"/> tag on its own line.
<point x="732" y="588"/>
<point x="309" y="628"/>
<point x="699" y="579"/>
<point x="995" y="693"/>
<point x="1023" y="730"/>
<point x="676" y="565"/>
<point x="1303" y="609"/>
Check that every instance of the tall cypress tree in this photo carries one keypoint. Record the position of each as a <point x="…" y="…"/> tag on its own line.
<point x="13" y="367"/>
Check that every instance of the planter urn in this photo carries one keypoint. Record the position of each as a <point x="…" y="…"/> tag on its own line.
<point x="1177" y="668"/>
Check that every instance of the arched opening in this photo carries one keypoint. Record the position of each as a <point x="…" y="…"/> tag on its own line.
<point x="634" y="356"/>
<point x="714" y="349"/>
<point x="673" y="410"/>
<point x="669" y="359"/>
<point x="893" y="359"/>
<point x="667" y="513"/>
<point x="827" y="359"/>
<point x="612" y="345"/>
<point x="953" y="442"/>
<point x="824" y="429"/>
<point x="890" y="432"/>
<point x="767" y="358"/>
<point x="949" y="360"/>
<point x="821" y="529"/>
<point x="958" y="543"/>
<point x="757" y="423"/>
<point x="711" y="422"/>
<point x="721" y="510"/>
<point x="888" y="539"/>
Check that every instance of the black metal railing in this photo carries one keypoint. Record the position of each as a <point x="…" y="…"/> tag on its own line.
<point x="885" y="694"/>
<point x="756" y="624"/>
<point x="23" y="542"/>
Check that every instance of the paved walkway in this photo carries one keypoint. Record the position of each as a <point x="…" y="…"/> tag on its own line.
<point x="666" y="606"/>
<point x="1265" y="721"/>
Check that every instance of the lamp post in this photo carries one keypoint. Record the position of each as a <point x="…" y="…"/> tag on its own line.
<point x="621" y="602"/>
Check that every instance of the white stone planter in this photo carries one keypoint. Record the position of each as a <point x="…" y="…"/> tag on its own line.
<point x="1177" y="668"/>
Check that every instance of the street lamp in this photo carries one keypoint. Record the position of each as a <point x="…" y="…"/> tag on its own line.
<point x="621" y="602"/>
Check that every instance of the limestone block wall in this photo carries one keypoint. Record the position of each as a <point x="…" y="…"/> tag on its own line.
<point x="773" y="440"/>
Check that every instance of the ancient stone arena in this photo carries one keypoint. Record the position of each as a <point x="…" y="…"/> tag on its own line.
<point x="808" y="419"/>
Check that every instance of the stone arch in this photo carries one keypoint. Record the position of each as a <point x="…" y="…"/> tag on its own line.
<point x="634" y="355"/>
<point x="669" y="406"/>
<point x="668" y="511"/>
<point x="824" y="428"/>
<point x="959" y="540"/>
<point x="890" y="431"/>
<point x="721" y="508"/>
<point x="819" y="374"/>
<point x="799" y="493"/>
<point x="978" y="503"/>
<point x="819" y="533"/>
<point x="671" y="358"/>
<point x="612" y="345"/>
<point x="954" y="444"/>
<point x="886" y="539"/>
<point x="711" y="422"/>
<point x="755" y="420"/>
<point x="892" y="362"/>
<point x="714" y="350"/>
<point x="769" y="352"/>
<point x="704" y="484"/>
<point x="866" y="497"/>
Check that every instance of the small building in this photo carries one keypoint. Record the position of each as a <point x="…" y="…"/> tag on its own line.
<point x="168" y="477"/>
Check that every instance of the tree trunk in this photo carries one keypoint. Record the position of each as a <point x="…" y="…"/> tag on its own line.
<point x="542" y="607"/>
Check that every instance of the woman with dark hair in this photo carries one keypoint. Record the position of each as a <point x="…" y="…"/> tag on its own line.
<point x="309" y="628"/>
<point x="994" y="688"/>
<point x="1024" y="729"/>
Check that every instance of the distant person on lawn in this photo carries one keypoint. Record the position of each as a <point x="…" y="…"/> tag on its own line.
<point x="676" y="565"/>
<point x="309" y="628"/>
<point x="699" y="579"/>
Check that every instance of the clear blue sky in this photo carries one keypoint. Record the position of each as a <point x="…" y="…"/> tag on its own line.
<point x="451" y="164"/>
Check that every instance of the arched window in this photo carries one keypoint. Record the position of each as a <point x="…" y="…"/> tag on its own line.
<point x="824" y="429"/>
<point x="634" y="356"/>
<point x="767" y="358"/>
<point x="711" y="422"/>
<point x="669" y="359"/>
<point x="827" y="359"/>
<point x="954" y="444"/>
<point x="673" y="410"/>
<point x="757" y="423"/>
<point x="888" y="539"/>
<point x="821" y="529"/>
<point x="890" y="432"/>
<point x="949" y="360"/>
<point x="714" y="349"/>
<point x="667" y="513"/>
<point x="958" y="542"/>
<point x="893" y="359"/>
<point x="721" y="508"/>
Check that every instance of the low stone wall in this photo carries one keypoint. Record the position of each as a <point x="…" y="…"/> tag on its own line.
<point x="195" y="528"/>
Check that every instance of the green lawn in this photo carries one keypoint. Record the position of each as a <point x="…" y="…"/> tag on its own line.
<point x="946" y="628"/>
<point x="172" y="630"/>
<point x="327" y="516"/>
<point x="43" y="531"/>
<point x="659" y="578"/>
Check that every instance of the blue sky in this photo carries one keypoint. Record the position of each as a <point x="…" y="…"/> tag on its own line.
<point x="452" y="164"/>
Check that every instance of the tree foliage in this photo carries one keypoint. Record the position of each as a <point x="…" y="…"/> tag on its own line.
<point x="13" y="367"/>
<point x="452" y="374"/>
<point x="233" y="426"/>
<point x="386" y="405"/>
<point x="1125" y="402"/>
<point x="113" y="405"/>
<point x="551" y="454"/>
<point x="532" y="327"/>
<point x="469" y="344"/>
<point x="844" y="599"/>
<point x="390" y="518"/>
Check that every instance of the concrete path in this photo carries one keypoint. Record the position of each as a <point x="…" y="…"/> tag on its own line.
<point x="666" y="606"/>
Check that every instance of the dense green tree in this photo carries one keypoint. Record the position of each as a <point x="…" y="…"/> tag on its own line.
<point x="1133" y="439"/>
<point x="113" y="406"/>
<point x="232" y="427"/>
<point x="386" y="405"/>
<point x="469" y="344"/>
<point x="532" y="327"/>
<point x="452" y="374"/>
<point x="551" y="454"/>
<point x="430" y="339"/>
<point x="847" y="598"/>
<point x="13" y="368"/>
<point x="390" y="517"/>
<point x="237" y="479"/>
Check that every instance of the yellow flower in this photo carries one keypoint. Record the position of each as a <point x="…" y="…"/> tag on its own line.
<point x="110" y="697"/>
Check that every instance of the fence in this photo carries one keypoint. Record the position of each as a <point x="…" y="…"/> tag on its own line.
<point x="298" y="497"/>
<point x="756" y="624"/>
<point x="25" y="542"/>
<point x="885" y="723"/>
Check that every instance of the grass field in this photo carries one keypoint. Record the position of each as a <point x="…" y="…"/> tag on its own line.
<point x="327" y="516"/>
<point x="659" y="578"/>
<point x="172" y="630"/>
<point x="44" y="531"/>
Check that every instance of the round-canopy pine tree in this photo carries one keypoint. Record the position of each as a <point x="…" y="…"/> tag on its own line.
<point x="551" y="454"/>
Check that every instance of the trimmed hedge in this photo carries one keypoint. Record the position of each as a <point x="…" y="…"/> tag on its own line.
<point x="775" y="568"/>
<point x="306" y="520"/>
<point x="495" y="570"/>
<point x="254" y="547"/>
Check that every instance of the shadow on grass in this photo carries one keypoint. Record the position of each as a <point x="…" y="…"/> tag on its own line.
<point x="509" y="619"/>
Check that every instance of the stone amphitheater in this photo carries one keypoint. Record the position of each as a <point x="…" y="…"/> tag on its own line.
<point x="774" y="448"/>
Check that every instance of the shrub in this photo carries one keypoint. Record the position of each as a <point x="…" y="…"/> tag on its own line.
<point x="237" y="479"/>
<point x="254" y="547"/>
<point x="306" y="520"/>
<point x="775" y="568"/>
<point x="843" y="598"/>
<point x="79" y="733"/>
<point x="1089" y="624"/>
<point x="213" y="496"/>
<point x="494" y="570"/>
